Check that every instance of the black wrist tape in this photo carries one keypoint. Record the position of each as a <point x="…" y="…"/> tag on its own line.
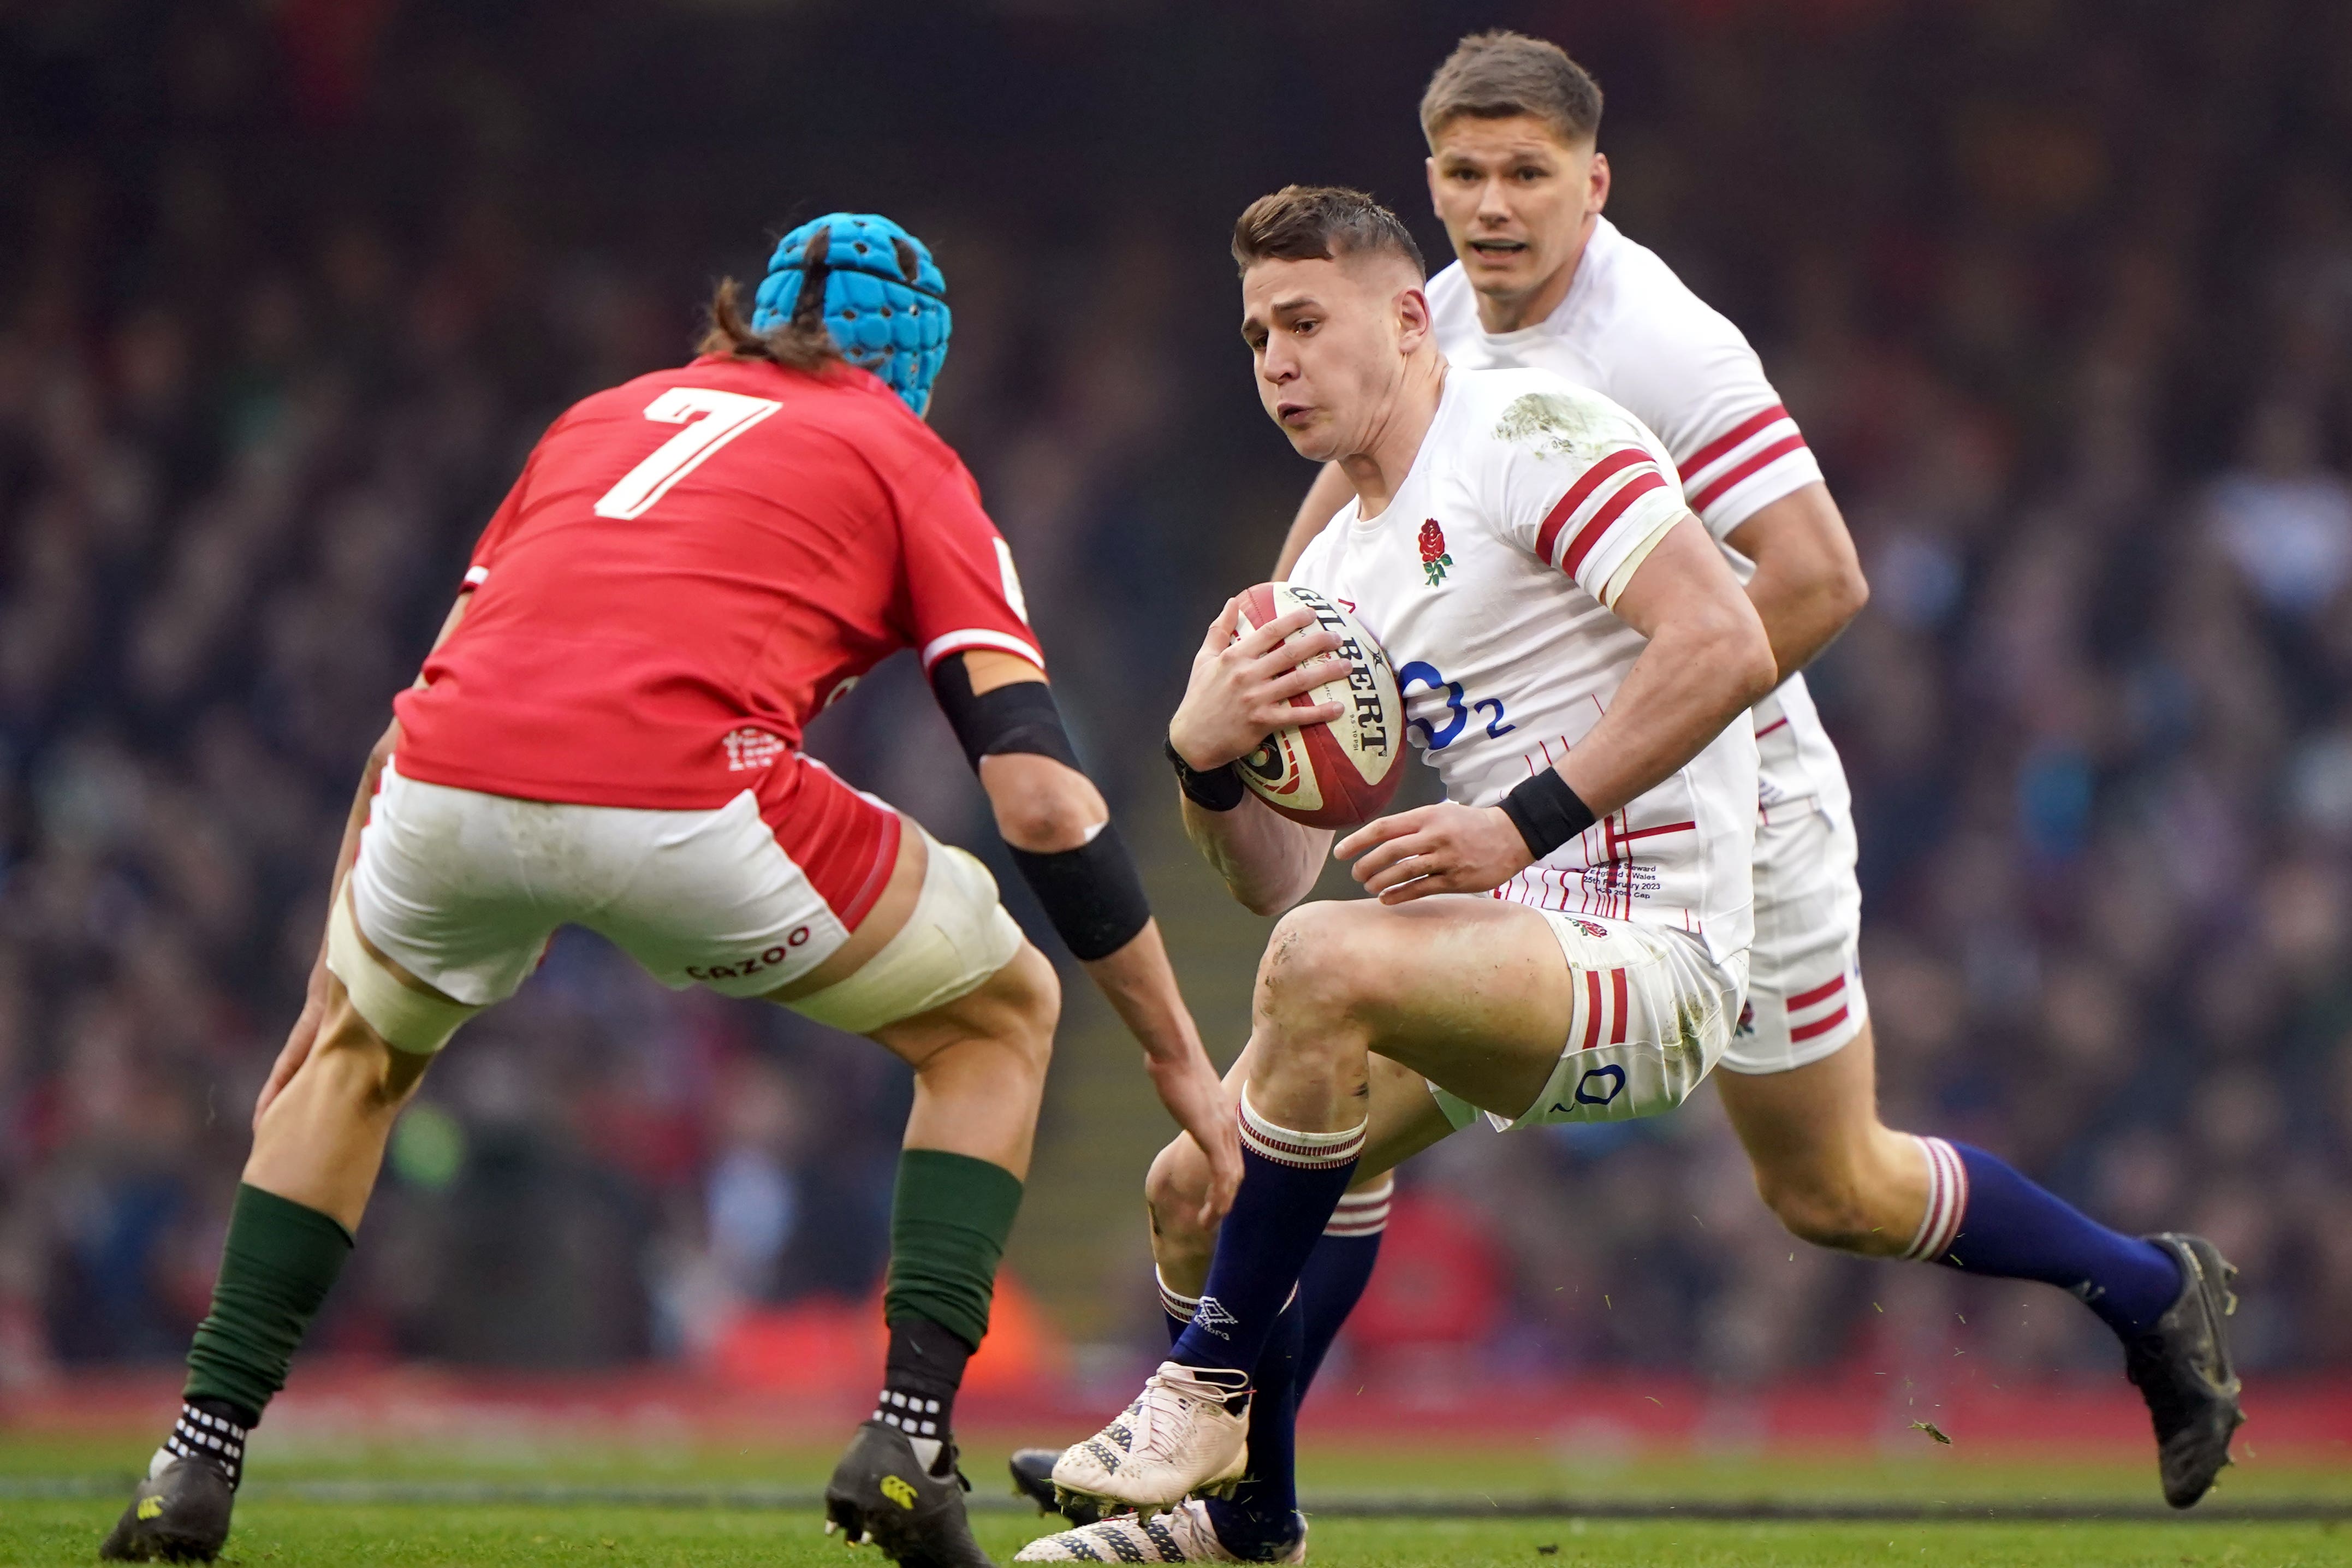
<point x="1092" y="894"/>
<point x="1547" y="813"/>
<point x="1218" y="789"/>
<point x="1019" y="717"/>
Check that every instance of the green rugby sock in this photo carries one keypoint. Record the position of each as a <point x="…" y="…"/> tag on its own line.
<point x="280" y="1261"/>
<point x="948" y="1221"/>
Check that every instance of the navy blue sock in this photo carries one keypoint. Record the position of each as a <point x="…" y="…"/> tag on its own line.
<point x="1337" y="1272"/>
<point x="1260" y="1520"/>
<point x="1984" y="1217"/>
<point x="1291" y="1182"/>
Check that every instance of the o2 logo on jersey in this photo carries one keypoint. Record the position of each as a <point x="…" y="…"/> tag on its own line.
<point x="1433" y="558"/>
<point x="1436" y="737"/>
<point x="1612" y="1076"/>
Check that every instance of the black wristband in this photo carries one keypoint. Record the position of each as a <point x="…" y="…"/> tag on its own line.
<point x="1218" y="789"/>
<point x="1092" y="894"/>
<point x="1547" y="813"/>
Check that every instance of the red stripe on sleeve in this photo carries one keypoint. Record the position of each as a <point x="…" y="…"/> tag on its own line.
<point x="1732" y="437"/>
<point x="1578" y="493"/>
<point x="1820" y="992"/>
<point x="1617" y="994"/>
<point x="1611" y="511"/>
<point x="1591" y="1008"/>
<point x="1772" y="454"/>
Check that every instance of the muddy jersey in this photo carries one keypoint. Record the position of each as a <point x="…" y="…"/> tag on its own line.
<point x="1488" y="578"/>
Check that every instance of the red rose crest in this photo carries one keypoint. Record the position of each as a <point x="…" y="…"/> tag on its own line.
<point x="1433" y="558"/>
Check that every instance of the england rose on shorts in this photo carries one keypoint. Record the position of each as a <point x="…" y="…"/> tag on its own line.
<point x="1489" y="581"/>
<point x="1631" y="331"/>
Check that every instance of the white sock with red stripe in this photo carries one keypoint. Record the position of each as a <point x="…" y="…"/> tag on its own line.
<point x="1947" y="1201"/>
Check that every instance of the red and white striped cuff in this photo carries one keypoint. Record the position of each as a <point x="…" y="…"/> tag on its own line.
<point x="1365" y="1213"/>
<point x="1947" y="1201"/>
<point x="1301" y="1151"/>
<point x="1173" y="1302"/>
<point x="1756" y="461"/>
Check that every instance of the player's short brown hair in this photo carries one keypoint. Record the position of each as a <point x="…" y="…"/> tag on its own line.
<point x="801" y="343"/>
<point x="1320" y="223"/>
<point x="1496" y="75"/>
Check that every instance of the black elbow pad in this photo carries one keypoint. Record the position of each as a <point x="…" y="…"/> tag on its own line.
<point x="1093" y="894"/>
<point x="1020" y="717"/>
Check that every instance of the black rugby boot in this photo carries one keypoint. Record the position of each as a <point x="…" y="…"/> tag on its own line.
<point x="179" y="1514"/>
<point x="881" y="1492"/>
<point x="1033" y="1478"/>
<point x="2182" y="1368"/>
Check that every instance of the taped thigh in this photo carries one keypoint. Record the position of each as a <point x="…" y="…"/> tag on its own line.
<point x="405" y="1017"/>
<point x="958" y="936"/>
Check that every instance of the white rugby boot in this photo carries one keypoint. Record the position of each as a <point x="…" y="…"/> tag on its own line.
<point x="1182" y="1534"/>
<point x="1177" y="1438"/>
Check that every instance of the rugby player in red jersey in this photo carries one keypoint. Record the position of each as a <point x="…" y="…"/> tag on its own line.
<point x="607" y="733"/>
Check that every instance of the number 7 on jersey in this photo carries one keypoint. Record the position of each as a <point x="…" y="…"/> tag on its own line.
<point x="712" y="418"/>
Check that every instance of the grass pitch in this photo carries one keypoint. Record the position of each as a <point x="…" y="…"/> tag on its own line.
<point x="492" y="1504"/>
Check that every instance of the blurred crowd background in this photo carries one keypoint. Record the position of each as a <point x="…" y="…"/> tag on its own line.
<point x="2061" y="295"/>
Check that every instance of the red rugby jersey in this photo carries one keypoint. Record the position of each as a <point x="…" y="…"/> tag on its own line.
<point x="692" y="564"/>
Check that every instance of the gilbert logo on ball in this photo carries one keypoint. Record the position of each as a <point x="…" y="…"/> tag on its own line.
<point x="1339" y="774"/>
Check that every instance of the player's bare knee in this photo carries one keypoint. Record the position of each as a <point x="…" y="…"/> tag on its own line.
<point x="1178" y="1181"/>
<point x="1312" y="976"/>
<point x="1815" y="1206"/>
<point x="1030" y="996"/>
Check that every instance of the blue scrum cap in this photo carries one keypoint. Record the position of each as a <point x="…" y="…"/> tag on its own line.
<point x="881" y="295"/>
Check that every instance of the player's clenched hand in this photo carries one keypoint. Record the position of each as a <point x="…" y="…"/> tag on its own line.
<point x="1242" y="686"/>
<point x="1188" y="1087"/>
<point x="1442" y="849"/>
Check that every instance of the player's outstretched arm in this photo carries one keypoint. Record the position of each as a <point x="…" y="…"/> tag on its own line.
<point x="1807" y="584"/>
<point x="1707" y="662"/>
<point x="1059" y="828"/>
<point x="1325" y="497"/>
<point x="1239" y="693"/>
<point x="305" y="1033"/>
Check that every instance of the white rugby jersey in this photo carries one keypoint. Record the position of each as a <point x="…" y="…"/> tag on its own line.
<point x="1630" y="330"/>
<point x="1487" y="579"/>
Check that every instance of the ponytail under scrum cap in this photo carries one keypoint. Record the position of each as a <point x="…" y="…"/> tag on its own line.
<point x="877" y="290"/>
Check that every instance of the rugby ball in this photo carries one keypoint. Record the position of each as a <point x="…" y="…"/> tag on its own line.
<point x="1339" y="774"/>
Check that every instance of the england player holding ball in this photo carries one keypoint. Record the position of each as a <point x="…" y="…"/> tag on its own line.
<point x="1541" y="278"/>
<point x="607" y="735"/>
<point x="1575" y="649"/>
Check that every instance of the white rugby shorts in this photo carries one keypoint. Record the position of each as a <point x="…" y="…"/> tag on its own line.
<point x="463" y="889"/>
<point x="1653" y="1014"/>
<point x="1804" y="978"/>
